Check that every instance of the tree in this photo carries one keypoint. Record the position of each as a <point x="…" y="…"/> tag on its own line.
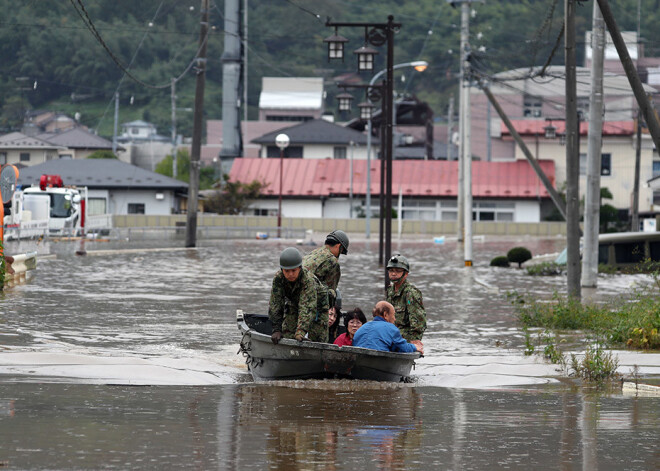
<point x="234" y="197"/>
<point x="519" y="255"/>
<point x="102" y="154"/>
<point x="206" y="175"/>
<point x="13" y="112"/>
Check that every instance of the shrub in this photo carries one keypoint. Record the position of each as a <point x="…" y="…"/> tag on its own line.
<point x="500" y="261"/>
<point x="545" y="269"/>
<point x="519" y="255"/>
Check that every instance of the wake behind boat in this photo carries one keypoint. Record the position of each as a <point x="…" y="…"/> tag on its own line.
<point x="291" y="360"/>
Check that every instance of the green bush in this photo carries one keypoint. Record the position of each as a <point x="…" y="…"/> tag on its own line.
<point x="500" y="261"/>
<point x="545" y="269"/>
<point x="519" y="255"/>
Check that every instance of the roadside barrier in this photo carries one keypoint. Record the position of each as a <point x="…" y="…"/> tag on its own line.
<point x="21" y="265"/>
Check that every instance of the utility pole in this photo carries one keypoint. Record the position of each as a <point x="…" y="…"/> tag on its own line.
<point x="466" y="150"/>
<point x="114" y="132"/>
<point x="638" y="158"/>
<point x="173" y="100"/>
<point x="592" y="199"/>
<point x="460" y="195"/>
<point x="572" y="157"/>
<point x="193" y="188"/>
<point x="450" y="125"/>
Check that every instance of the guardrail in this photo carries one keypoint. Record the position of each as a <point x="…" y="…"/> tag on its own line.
<point x="21" y="265"/>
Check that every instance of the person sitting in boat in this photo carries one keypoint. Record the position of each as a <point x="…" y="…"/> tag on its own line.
<point x="334" y="323"/>
<point x="298" y="305"/>
<point x="324" y="261"/>
<point x="353" y="320"/>
<point x="406" y="299"/>
<point x="381" y="333"/>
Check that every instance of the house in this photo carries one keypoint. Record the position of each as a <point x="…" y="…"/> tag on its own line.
<point x="73" y="143"/>
<point x="318" y="139"/>
<point x="139" y="130"/>
<point x="321" y="188"/>
<point x="534" y="102"/>
<point x="40" y="121"/>
<point x="114" y="187"/>
<point x="617" y="157"/>
<point x="79" y="142"/>
<point x="19" y="148"/>
<point x="291" y="98"/>
<point x="143" y="146"/>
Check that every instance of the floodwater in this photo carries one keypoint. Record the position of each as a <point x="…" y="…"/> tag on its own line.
<point x="127" y="359"/>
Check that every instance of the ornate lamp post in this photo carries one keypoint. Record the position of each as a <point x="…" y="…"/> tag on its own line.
<point x="281" y="141"/>
<point x="377" y="35"/>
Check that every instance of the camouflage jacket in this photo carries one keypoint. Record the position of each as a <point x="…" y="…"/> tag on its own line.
<point x="300" y="307"/>
<point x="410" y="312"/>
<point x="325" y="266"/>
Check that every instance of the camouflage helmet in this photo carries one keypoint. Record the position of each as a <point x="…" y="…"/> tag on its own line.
<point x="339" y="237"/>
<point x="290" y="258"/>
<point x="398" y="261"/>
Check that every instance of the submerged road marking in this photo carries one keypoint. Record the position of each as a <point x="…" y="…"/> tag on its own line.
<point x="165" y="249"/>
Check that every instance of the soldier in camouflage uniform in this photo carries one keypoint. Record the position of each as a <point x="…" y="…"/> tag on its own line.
<point x="323" y="262"/>
<point x="298" y="302"/>
<point x="406" y="299"/>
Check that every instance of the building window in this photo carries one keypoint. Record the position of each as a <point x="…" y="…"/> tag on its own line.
<point x="3" y="158"/>
<point x="96" y="206"/>
<point x="25" y="157"/>
<point x="66" y="156"/>
<point x="605" y="164"/>
<point x="261" y="212"/>
<point x="656" y="166"/>
<point x="135" y="208"/>
<point x="339" y="153"/>
<point x="532" y="106"/>
<point x="493" y="211"/>
<point x="291" y="152"/>
<point x="135" y="131"/>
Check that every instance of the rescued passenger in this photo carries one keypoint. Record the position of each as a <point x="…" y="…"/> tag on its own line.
<point x="381" y="333"/>
<point x="298" y="302"/>
<point x="353" y="320"/>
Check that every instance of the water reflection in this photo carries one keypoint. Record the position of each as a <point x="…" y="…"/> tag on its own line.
<point x="322" y="425"/>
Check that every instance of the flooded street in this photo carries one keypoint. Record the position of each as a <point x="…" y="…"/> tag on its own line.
<point x="127" y="358"/>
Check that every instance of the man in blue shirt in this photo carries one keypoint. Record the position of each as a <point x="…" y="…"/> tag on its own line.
<point x="381" y="333"/>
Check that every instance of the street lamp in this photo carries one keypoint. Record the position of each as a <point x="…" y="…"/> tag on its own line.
<point x="281" y="141"/>
<point x="344" y="101"/>
<point x="419" y="66"/>
<point x="379" y="34"/>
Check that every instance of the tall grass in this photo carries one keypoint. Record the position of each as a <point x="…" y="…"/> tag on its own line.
<point x="632" y="322"/>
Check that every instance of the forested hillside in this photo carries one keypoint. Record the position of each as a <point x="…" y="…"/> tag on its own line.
<point x="51" y="58"/>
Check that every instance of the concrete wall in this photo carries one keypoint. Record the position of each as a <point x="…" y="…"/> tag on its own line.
<point x="37" y="156"/>
<point x="119" y="201"/>
<point x="356" y="226"/>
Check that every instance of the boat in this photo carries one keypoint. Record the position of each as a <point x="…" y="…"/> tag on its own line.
<point x="293" y="360"/>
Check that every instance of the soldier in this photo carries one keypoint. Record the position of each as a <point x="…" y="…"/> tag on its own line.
<point x="406" y="299"/>
<point x="323" y="262"/>
<point x="298" y="302"/>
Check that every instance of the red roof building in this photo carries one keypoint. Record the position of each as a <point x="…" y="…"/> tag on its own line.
<point x="429" y="180"/>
